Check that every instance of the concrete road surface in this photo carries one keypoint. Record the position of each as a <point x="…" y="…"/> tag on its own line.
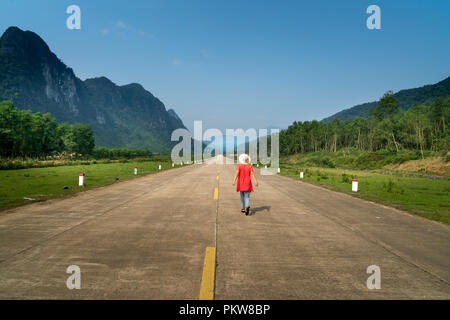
<point x="146" y="239"/>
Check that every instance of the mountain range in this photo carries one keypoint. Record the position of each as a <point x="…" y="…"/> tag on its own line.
<point x="127" y="116"/>
<point x="35" y="79"/>
<point x="407" y="99"/>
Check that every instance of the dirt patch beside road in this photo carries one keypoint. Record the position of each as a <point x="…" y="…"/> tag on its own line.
<point x="431" y="165"/>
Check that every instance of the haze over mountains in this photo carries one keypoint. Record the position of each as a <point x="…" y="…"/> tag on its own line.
<point x="33" y="78"/>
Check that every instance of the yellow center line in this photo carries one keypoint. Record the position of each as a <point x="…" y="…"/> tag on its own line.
<point x="216" y="193"/>
<point x="209" y="266"/>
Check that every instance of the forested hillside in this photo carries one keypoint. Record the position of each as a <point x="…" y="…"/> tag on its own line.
<point x="388" y="127"/>
<point x="406" y="98"/>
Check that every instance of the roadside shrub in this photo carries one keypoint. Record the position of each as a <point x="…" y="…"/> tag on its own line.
<point x="327" y="162"/>
<point x="402" y="156"/>
<point x="346" y="178"/>
<point x="321" y="175"/>
<point x="368" y="160"/>
<point x="385" y="152"/>
<point x="389" y="186"/>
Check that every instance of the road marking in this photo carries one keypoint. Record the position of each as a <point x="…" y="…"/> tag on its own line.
<point x="209" y="267"/>
<point x="216" y="193"/>
<point x="217" y="178"/>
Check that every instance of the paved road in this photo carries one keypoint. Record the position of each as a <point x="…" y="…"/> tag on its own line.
<point x="146" y="239"/>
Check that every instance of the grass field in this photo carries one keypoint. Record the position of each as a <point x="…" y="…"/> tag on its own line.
<point x="39" y="184"/>
<point x="435" y="163"/>
<point x="429" y="198"/>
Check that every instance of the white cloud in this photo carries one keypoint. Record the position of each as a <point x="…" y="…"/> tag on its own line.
<point x="145" y="34"/>
<point x="122" y="25"/>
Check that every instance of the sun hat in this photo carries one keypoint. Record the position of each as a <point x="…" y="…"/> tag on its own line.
<point x="243" y="157"/>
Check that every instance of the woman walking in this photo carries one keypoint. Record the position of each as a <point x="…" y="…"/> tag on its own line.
<point x="244" y="172"/>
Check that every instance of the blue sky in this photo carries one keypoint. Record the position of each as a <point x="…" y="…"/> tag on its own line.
<point x="248" y="63"/>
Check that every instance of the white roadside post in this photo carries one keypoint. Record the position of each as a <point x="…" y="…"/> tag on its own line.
<point x="181" y="163"/>
<point x="301" y="174"/>
<point x="257" y="165"/>
<point x="135" y="170"/>
<point x="81" y="180"/>
<point x="265" y="167"/>
<point x="173" y="164"/>
<point x="355" y="185"/>
<point x="159" y="168"/>
<point x="279" y="170"/>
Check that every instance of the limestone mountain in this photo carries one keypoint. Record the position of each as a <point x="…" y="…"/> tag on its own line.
<point x="34" y="78"/>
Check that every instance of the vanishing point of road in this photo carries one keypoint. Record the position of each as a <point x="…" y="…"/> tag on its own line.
<point x="179" y="234"/>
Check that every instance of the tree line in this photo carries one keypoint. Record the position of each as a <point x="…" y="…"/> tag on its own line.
<point x="35" y="135"/>
<point x="420" y="128"/>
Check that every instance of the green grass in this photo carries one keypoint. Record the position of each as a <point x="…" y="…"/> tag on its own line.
<point x="357" y="159"/>
<point x="11" y="164"/>
<point x="46" y="183"/>
<point x="425" y="197"/>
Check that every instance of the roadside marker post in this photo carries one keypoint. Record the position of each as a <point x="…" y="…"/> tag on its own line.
<point x="135" y="170"/>
<point x="81" y="180"/>
<point x="355" y="185"/>
<point x="173" y="164"/>
<point x="265" y="167"/>
<point x="301" y="174"/>
<point x="159" y="168"/>
<point x="279" y="170"/>
<point x="257" y="165"/>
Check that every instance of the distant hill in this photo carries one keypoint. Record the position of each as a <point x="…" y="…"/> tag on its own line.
<point x="33" y="78"/>
<point x="407" y="98"/>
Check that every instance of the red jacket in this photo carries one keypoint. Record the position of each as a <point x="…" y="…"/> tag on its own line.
<point x="244" y="181"/>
